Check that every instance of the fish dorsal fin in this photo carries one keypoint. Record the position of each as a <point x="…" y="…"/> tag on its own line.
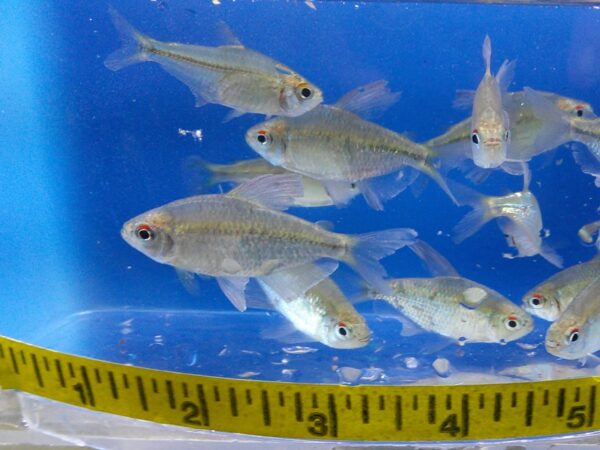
<point x="473" y="296"/>
<point x="272" y="191"/>
<point x="325" y="224"/>
<point x="487" y="54"/>
<point x="435" y="262"/>
<point x="283" y="69"/>
<point x="227" y="36"/>
<point x="505" y="75"/>
<point x="369" y="100"/>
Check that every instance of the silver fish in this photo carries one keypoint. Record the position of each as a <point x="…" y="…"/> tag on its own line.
<point x="518" y="215"/>
<point x="324" y="314"/>
<point x="458" y="308"/>
<point x="336" y="146"/>
<point x="490" y="131"/>
<point x="528" y="131"/>
<point x="550" y="299"/>
<point x="576" y="333"/>
<point x="315" y="194"/>
<point x="241" y="234"/>
<point x="229" y="75"/>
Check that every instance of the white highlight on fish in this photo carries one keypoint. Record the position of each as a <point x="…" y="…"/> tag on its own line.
<point x="229" y="75"/>
<point x="490" y="131"/>
<point x="243" y="234"/>
<point x="576" y="333"/>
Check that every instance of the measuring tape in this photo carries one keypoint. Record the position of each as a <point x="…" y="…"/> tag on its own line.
<point x="337" y="412"/>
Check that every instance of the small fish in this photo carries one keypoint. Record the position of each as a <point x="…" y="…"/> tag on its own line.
<point x="336" y="146"/>
<point x="550" y="299"/>
<point x="526" y="127"/>
<point x="324" y="314"/>
<point x="589" y="233"/>
<point x="576" y="333"/>
<point x="490" y="130"/>
<point x="518" y="215"/>
<point x="457" y="308"/>
<point x="229" y="75"/>
<point x="315" y="194"/>
<point x="243" y="234"/>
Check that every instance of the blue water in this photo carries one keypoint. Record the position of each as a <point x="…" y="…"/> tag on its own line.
<point x="84" y="149"/>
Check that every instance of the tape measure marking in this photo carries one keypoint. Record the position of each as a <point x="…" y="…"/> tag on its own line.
<point x="370" y="412"/>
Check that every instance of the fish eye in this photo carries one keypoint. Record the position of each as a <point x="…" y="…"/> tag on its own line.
<point x="536" y="301"/>
<point x="144" y="232"/>
<point x="507" y="135"/>
<point x="304" y="91"/>
<point x="579" y="113"/>
<point x="475" y="137"/>
<point x="343" y="330"/>
<point x="573" y="336"/>
<point x="263" y="137"/>
<point x="511" y="323"/>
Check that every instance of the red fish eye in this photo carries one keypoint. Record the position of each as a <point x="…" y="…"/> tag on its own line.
<point x="144" y="232"/>
<point x="342" y="329"/>
<point x="263" y="137"/>
<point x="512" y="322"/>
<point x="573" y="335"/>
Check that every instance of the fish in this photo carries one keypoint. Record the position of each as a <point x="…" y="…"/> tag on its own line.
<point x="576" y="333"/>
<point x="333" y="144"/>
<point x="324" y="314"/>
<point x="490" y="128"/>
<point x="518" y="215"/>
<point x="457" y="308"/>
<point x="230" y="75"/>
<point x="549" y="299"/>
<point x="549" y="371"/>
<point x="315" y="194"/>
<point x="526" y="126"/>
<point x="245" y="234"/>
<point x="589" y="233"/>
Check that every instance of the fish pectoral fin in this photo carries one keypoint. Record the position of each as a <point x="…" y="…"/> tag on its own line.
<point x="341" y="192"/>
<point x="473" y="297"/>
<point x="513" y="168"/>
<point x="464" y="99"/>
<point x="233" y="288"/>
<point x="233" y="114"/>
<point x="188" y="281"/>
<point x="273" y="191"/>
<point x="369" y="100"/>
<point x="289" y="284"/>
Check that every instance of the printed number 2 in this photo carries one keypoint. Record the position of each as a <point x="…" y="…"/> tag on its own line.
<point x="576" y="417"/>
<point x="192" y="411"/>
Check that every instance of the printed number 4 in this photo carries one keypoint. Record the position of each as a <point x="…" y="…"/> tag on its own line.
<point x="450" y="425"/>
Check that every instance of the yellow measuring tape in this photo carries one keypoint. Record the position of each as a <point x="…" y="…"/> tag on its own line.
<point x="371" y="413"/>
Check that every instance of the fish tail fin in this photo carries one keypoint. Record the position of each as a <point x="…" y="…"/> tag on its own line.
<point x="476" y="218"/>
<point x="368" y="249"/>
<point x="133" y="43"/>
<point x="204" y="174"/>
<point x="487" y="54"/>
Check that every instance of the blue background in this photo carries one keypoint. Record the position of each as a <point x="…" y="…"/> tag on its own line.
<point x="83" y="149"/>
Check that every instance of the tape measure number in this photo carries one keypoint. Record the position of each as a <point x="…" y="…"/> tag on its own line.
<point x="370" y="413"/>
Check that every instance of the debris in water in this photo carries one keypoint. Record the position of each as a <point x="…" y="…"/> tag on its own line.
<point x="298" y="350"/>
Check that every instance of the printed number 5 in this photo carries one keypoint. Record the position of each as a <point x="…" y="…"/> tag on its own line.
<point x="576" y="417"/>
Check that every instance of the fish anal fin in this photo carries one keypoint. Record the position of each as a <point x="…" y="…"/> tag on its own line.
<point x="233" y="288"/>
